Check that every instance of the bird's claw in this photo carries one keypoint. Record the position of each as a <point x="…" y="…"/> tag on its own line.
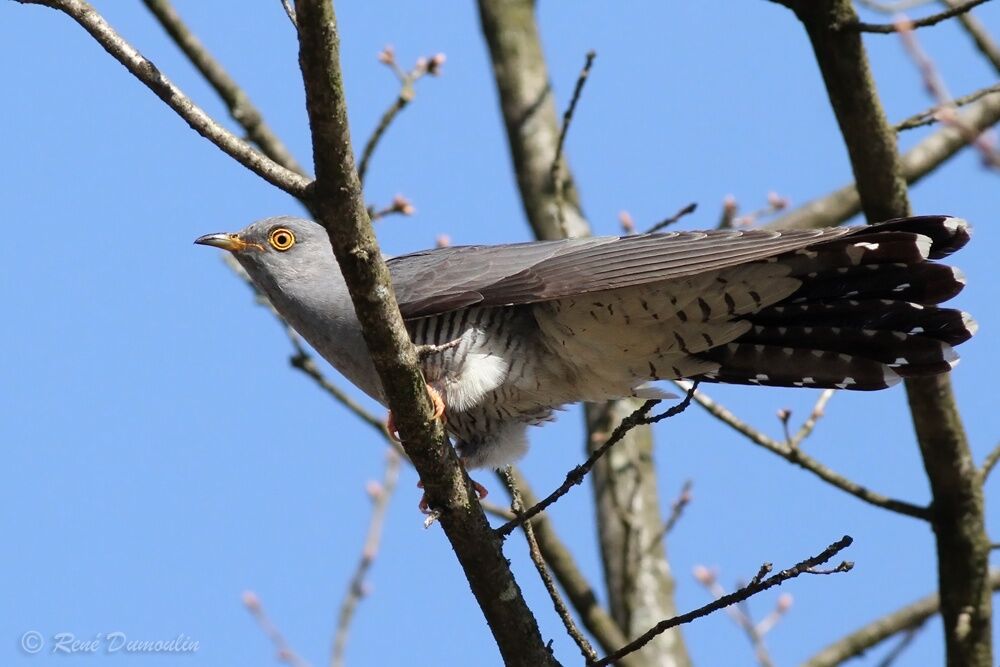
<point x="437" y="402"/>
<point x="424" y="505"/>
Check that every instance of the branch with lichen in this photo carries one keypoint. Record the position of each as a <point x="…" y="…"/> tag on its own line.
<point x="957" y="506"/>
<point x="339" y="207"/>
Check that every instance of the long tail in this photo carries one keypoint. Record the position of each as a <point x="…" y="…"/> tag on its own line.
<point x="865" y="315"/>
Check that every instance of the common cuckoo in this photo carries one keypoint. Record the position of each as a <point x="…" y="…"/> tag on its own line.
<point x="524" y="328"/>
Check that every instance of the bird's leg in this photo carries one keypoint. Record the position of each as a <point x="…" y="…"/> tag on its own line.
<point x="436" y="400"/>
<point x="481" y="491"/>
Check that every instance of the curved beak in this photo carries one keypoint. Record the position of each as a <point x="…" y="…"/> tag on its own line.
<point x="230" y="242"/>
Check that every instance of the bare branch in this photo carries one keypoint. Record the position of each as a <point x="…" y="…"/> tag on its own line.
<point x="407" y="91"/>
<point x="517" y="506"/>
<point x="930" y="116"/>
<point x="577" y="474"/>
<point x="687" y="210"/>
<point x="990" y="462"/>
<point x="756" y="585"/>
<point x="339" y="207"/>
<point x="144" y="70"/>
<point x="238" y="102"/>
<point x="810" y="423"/>
<point x="840" y="205"/>
<point x="979" y="34"/>
<point x="957" y="515"/>
<point x="285" y="653"/>
<point x="676" y="511"/>
<point x="557" y="181"/>
<point x="876" y="632"/>
<point x="380" y="495"/>
<point x="803" y="460"/>
<point x="572" y="580"/>
<point x="887" y="28"/>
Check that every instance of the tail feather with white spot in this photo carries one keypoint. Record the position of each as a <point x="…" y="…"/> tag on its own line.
<point x="864" y="316"/>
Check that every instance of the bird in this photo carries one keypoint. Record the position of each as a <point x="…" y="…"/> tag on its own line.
<point x="517" y="331"/>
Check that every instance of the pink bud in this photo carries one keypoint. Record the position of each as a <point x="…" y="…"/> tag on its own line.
<point x="387" y="55"/>
<point x="784" y="602"/>
<point x="626" y="221"/>
<point x="251" y="601"/>
<point x="373" y="489"/>
<point x="704" y="576"/>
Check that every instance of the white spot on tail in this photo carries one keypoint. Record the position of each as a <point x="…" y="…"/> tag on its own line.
<point x="970" y="324"/>
<point x="924" y="245"/>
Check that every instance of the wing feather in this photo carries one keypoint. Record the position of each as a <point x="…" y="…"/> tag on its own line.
<point x="437" y="281"/>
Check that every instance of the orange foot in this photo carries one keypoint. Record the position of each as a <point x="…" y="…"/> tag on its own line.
<point x="436" y="400"/>
<point x="481" y="492"/>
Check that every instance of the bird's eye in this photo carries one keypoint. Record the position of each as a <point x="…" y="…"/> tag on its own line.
<point x="281" y="239"/>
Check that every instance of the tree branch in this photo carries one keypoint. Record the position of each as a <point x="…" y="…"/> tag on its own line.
<point x="239" y="104"/>
<point x="640" y="583"/>
<point x="876" y="632"/>
<point x="930" y="115"/>
<point x="557" y="161"/>
<point x="577" y="474"/>
<point x="517" y="506"/>
<point x="887" y="28"/>
<point x="144" y="70"/>
<point x="380" y="495"/>
<point x="957" y="506"/>
<point x="757" y="584"/>
<point x="922" y="159"/>
<point x="979" y="35"/>
<point x="339" y="207"/>
<point x="793" y="454"/>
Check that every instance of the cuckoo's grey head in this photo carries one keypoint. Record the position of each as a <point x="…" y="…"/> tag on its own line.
<point x="286" y="257"/>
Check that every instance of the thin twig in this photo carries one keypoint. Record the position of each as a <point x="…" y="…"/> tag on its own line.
<point x="404" y="97"/>
<point x="930" y="116"/>
<point x="888" y="28"/>
<point x="557" y="181"/>
<point x="577" y="474"/>
<point x="756" y="585"/>
<point x="517" y="507"/>
<point x="407" y="91"/>
<point x="575" y="585"/>
<point x="935" y="86"/>
<point x="810" y="423"/>
<point x="674" y="218"/>
<point x="875" y="632"/>
<point x="990" y="462"/>
<point x="380" y="496"/>
<point x="285" y="653"/>
<point x="803" y="460"/>
<point x="236" y="99"/>
<point x="144" y="70"/>
<point x="904" y="643"/>
<point x="676" y="511"/>
<point x="984" y="42"/>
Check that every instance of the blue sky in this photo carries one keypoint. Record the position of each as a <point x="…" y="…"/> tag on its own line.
<point x="159" y="455"/>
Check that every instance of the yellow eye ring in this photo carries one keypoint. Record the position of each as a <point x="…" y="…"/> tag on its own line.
<point x="281" y="239"/>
